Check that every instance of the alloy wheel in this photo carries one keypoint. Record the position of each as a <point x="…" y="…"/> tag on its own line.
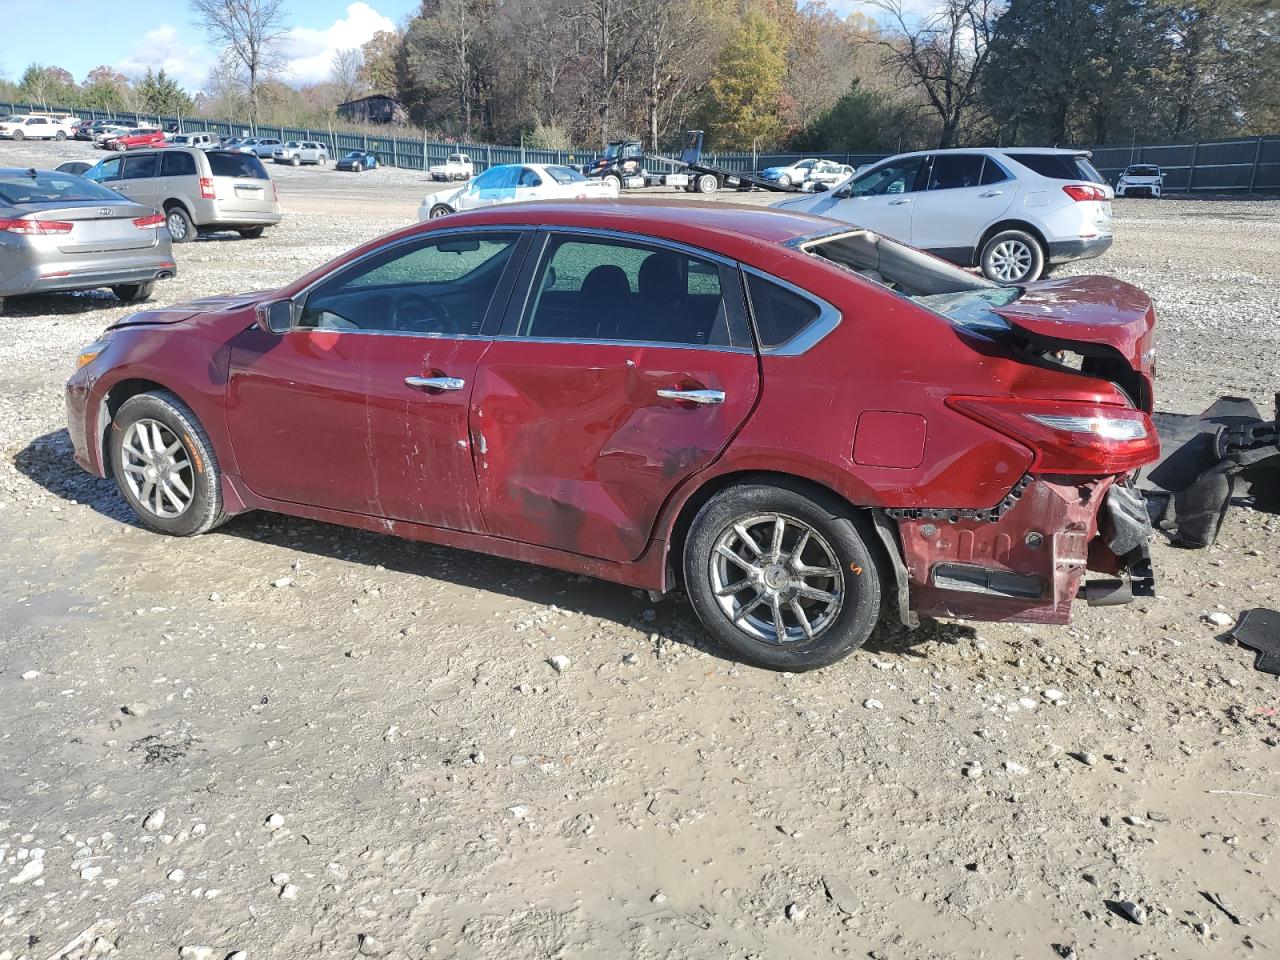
<point x="177" y="224"/>
<point x="1011" y="260"/>
<point x="157" y="469"/>
<point x="777" y="579"/>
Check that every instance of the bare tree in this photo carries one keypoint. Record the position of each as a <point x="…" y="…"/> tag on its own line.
<point x="347" y="72"/>
<point x="942" y="53"/>
<point x="614" y="32"/>
<point x="250" y="31"/>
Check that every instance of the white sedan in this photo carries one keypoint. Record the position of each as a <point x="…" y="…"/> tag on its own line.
<point x="513" y="182"/>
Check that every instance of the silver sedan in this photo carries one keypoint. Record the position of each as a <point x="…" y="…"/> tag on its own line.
<point x="59" y="231"/>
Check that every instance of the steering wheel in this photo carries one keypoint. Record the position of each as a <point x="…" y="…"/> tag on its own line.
<point x="416" y="313"/>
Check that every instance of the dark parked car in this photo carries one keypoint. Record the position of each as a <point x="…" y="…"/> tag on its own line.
<point x="60" y="232"/>
<point x="799" y="421"/>
<point x="78" y="167"/>
<point x="357" y="160"/>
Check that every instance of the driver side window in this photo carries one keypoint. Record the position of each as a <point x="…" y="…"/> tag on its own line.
<point x="897" y="177"/>
<point x="441" y="286"/>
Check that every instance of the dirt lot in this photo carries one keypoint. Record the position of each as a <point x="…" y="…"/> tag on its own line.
<point x="374" y="757"/>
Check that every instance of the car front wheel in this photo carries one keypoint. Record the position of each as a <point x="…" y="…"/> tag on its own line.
<point x="781" y="576"/>
<point x="1011" y="257"/>
<point x="708" y="183"/>
<point x="438" y="211"/>
<point x="784" y="181"/>
<point x="165" y="465"/>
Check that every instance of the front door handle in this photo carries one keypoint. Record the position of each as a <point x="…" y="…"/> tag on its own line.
<point x="435" y="383"/>
<point x="703" y="397"/>
<point x="898" y="203"/>
<point x="991" y="193"/>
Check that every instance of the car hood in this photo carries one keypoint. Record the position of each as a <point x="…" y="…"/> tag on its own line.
<point x="1085" y="310"/>
<point x="449" y="195"/>
<point x="178" y="312"/>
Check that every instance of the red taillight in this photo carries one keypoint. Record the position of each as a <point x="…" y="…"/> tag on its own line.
<point x="1069" y="437"/>
<point x="206" y="189"/>
<point x="1080" y="192"/>
<point x="35" y="227"/>
<point x="154" y="220"/>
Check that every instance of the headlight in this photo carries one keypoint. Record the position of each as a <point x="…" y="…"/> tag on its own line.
<point x="90" y="353"/>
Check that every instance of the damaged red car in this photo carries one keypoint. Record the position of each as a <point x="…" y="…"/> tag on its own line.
<point x="804" y="425"/>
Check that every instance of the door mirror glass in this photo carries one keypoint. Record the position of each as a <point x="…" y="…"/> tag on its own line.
<point x="277" y="317"/>
<point x="845" y="192"/>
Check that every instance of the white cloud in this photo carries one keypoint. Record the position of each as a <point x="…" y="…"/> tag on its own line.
<point x="165" y="49"/>
<point x="308" y="53"/>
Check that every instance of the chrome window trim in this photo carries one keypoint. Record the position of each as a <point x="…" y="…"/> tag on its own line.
<point x="810" y="335"/>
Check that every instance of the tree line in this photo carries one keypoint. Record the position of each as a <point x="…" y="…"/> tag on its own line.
<point x="755" y="74"/>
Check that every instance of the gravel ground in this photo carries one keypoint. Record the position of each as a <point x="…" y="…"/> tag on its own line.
<point x="294" y="740"/>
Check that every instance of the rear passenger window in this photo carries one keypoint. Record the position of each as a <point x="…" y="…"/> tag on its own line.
<point x="614" y="290"/>
<point x="140" y="166"/>
<point x="952" y="170"/>
<point x="177" y="164"/>
<point x="1060" y="166"/>
<point x="780" y="314"/>
<point x="992" y="172"/>
<point x="243" y="165"/>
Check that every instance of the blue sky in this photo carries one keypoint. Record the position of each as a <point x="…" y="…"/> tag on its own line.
<point x="132" y="35"/>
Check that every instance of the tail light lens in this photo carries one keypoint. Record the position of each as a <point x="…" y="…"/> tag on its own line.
<point x="145" y="223"/>
<point x="1081" y="192"/>
<point x="1069" y="437"/>
<point x="206" y="189"/>
<point x="35" y="228"/>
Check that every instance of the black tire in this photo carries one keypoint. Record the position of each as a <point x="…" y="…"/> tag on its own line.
<point x="708" y="183"/>
<point x="18" y="135"/>
<point x="295" y="161"/>
<point x="133" y="292"/>
<point x="204" y="477"/>
<point x="439" y="210"/>
<point x="251" y="233"/>
<point x="1011" y="257"/>
<point x="838" y="535"/>
<point x="60" y="135"/>
<point x="181" y="229"/>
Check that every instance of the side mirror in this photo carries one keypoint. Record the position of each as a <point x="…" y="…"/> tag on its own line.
<point x="277" y="317"/>
<point x="821" y="187"/>
<point x="844" y="193"/>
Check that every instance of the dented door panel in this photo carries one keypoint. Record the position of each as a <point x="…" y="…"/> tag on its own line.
<point x="576" y="450"/>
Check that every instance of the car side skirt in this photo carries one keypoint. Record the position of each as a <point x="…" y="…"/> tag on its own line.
<point x="645" y="573"/>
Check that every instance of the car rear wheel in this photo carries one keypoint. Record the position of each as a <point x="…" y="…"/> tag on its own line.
<point x="251" y="233"/>
<point x="165" y="466"/>
<point x="295" y="161"/>
<point x="133" y="292"/>
<point x="781" y="576"/>
<point x="18" y="135"/>
<point x="439" y="210"/>
<point x="1012" y="256"/>
<point x="357" y="167"/>
<point x="708" y="183"/>
<point x="181" y="229"/>
<point x="60" y="135"/>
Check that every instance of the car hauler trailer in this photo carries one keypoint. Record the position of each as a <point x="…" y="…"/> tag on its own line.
<point x="626" y="162"/>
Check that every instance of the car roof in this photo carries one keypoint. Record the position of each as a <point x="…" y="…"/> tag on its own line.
<point x="716" y="226"/>
<point x="1011" y="151"/>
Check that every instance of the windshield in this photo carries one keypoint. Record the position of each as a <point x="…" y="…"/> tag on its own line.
<point x="565" y="175"/>
<point x="961" y="297"/>
<point x="18" y="188"/>
<point x="455" y="158"/>
<point x="294" y="145"/>
<point x="613" y="150"/>
<point x="353" y="154"/>
<point x="1143" y="172"/>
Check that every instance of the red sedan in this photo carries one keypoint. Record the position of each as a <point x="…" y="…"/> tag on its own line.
<point x="798" y="421"/>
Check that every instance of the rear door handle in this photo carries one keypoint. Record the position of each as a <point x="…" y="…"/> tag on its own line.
<point x="992" y="193"/>
<point x="703" y="397"/>
<point x="435" y="383"/>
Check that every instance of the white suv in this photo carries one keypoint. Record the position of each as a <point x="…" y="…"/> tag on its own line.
<point x="1011" y="211"/>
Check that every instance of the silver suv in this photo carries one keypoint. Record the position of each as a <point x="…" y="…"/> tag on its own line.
<point x="1012" y="211"/>
<point x="297" y="152"/>
<point x="198" y="190"/>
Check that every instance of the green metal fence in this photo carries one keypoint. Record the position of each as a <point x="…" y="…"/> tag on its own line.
<point x="1246" y="165"/>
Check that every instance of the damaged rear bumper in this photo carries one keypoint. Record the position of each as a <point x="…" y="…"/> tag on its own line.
<point x="1026" y="560"/>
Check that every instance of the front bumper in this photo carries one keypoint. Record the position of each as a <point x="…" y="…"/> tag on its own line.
<point x="1064" y="251"/>
<point x="1026" y="560"/>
